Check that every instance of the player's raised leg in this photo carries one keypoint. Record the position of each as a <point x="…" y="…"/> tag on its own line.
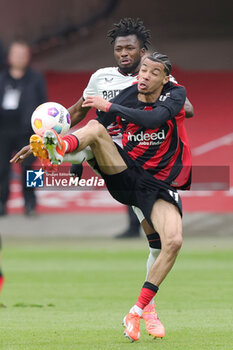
<point x="94" y="135"/>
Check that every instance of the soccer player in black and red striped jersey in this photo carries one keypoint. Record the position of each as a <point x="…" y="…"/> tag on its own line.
<point x="155" y="158"/>
<point x="166" y="158"/>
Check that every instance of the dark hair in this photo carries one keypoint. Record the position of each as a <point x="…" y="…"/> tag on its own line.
<point x="130" y="26"/>
<point x="159" y="57"/>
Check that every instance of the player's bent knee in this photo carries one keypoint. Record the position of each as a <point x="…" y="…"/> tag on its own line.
<point x="92" y="125"/>
<point x="96" y="131"/>
<point x="96" y="127"/>
<point x="173" y="244"/>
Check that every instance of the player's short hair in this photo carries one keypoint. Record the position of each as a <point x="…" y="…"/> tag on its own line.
<point x="159" y="57"/>
<point x="130" y="26"/>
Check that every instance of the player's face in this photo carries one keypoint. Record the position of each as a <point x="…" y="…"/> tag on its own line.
<point x="128" y="53"/>
<point x="19" y="56"/>
<point x="151" y="77"/>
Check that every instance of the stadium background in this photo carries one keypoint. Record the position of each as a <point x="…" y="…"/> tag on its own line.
<point x="59" y="265"/>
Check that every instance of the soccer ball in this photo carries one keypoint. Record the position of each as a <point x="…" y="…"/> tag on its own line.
<point x="50" y="115"/>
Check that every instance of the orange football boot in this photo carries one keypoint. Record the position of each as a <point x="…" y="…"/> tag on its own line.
<point x="153" y="325"/>
<point x="131" y="323"/>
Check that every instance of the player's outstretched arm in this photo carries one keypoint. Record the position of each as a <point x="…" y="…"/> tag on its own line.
<point x="148" y="119"/>
<point x="21" y="155"/>
<point x="77" y="112"/>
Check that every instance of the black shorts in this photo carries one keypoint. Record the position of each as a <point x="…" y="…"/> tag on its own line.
<point x="136" y="186"/>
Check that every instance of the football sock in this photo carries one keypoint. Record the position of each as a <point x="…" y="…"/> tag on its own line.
<point x="71" y="143"/>
<point x="155" y="249"/>
<point x="154" y="253"/>
<point x="78" y="157"/>
<point x="147" y="293"/>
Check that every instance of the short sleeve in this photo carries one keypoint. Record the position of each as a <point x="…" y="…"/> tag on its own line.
<point x="91" y="89"/>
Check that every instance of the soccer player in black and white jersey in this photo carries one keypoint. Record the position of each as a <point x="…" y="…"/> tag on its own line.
<point x="130" y="39"/>
<point x="154" y="158"/>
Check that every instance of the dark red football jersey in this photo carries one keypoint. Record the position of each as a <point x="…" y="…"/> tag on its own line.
<point x="154" y="133"/>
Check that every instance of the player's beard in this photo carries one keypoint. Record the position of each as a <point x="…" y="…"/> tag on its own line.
<point x="131" y="69"/>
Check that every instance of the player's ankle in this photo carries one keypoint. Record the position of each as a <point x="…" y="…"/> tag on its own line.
<point x="71" y="142"/>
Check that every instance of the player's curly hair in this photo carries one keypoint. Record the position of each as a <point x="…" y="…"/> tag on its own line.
<point x="159" y="57"/>
<point x="130" y="26"/>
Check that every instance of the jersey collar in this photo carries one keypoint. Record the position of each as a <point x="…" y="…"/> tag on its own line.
<point x="134" y="74"/>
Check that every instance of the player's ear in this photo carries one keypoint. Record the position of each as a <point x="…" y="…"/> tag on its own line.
<point x="142" y="51"/>
<point x="166" y="79"/>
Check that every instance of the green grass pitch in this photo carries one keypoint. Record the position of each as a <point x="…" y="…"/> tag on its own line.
<point x="73" y="294"/>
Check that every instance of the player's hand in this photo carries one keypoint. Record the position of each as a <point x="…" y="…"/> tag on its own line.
<point x="97" y="102"/>
<point x="21" y="155"/>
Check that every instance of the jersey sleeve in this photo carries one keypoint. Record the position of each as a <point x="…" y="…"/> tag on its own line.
<point x="164" y="110"/>
<point x="91" y="89"/>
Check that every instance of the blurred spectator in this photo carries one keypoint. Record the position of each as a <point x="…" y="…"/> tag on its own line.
<point x="21" y="91"/>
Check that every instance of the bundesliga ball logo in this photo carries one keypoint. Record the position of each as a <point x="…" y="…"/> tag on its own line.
<point x="50" y="115"/>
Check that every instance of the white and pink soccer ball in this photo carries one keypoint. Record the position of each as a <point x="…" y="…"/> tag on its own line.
<point x="50" y="115"/>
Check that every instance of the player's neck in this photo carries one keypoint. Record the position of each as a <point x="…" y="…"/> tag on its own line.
<point x="149" y="98"/>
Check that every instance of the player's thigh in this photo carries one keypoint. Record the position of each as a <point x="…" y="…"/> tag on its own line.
<point x="167" y="222"/>
<point x="107" y="156"/>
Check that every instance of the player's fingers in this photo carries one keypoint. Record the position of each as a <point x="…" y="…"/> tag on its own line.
<point x="25" y="155"/>
<point x="21" y="155"/>
<point x="15" y="159"/>
<point x="87" y="99"/>
<point x="87" y="103"/>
